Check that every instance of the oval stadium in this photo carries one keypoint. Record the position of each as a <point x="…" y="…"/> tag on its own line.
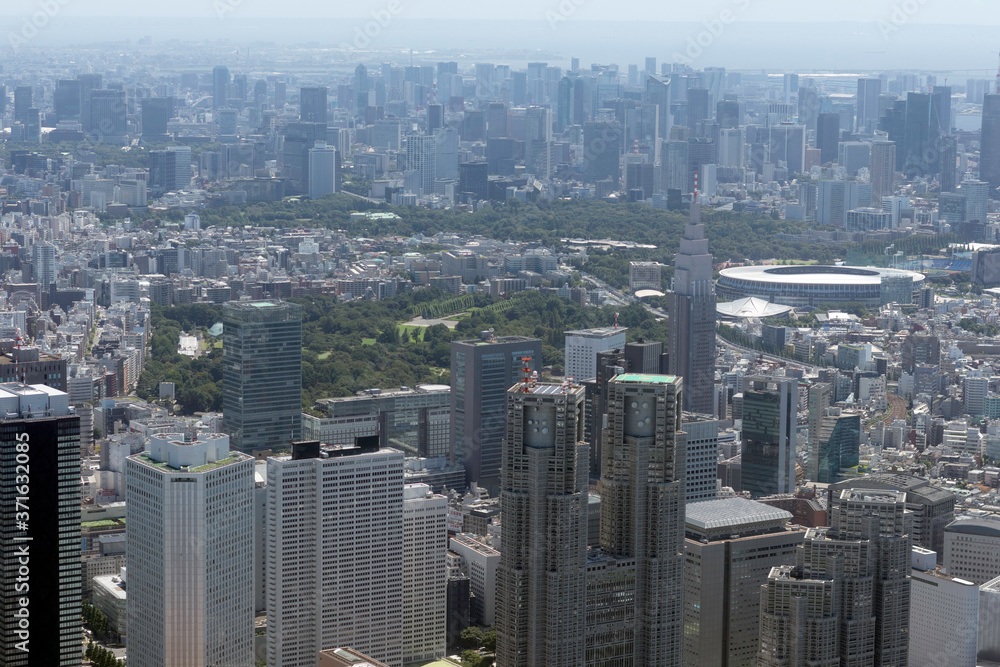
<point x="813" y="286"/>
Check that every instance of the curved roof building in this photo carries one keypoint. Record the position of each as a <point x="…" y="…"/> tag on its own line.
<point x="814" y="286"/>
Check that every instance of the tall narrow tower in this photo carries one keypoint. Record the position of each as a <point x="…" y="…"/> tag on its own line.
<point x="541" y="580"/>
<point x="692" y="316"/>
<point x="642" y="511"/>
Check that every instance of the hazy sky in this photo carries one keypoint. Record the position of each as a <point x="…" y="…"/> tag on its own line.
<point x="971" y="12"/>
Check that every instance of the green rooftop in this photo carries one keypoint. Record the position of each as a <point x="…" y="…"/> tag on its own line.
<point x="647" y="379"/>
<point x="232" y="458"/>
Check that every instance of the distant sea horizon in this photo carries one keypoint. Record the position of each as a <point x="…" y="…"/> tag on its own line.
<point x="962" y="50"/>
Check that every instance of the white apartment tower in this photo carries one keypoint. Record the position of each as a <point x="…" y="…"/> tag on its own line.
<point x="334" y="553"/>
<point x="190" y="558"/>
<point x="580" y="359"/>
<point x="425" y="542"/>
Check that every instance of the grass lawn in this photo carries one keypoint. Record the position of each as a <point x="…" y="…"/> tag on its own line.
<point x="324" y="355"/>
<point x="367" y="341"/>
<point x="411" y="329"/>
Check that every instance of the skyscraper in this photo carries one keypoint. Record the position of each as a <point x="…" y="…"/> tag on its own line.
<point x="798" y="618"/>
<point x="67" y="100"/>
<point x="156" y="114"/>
<point x="580" y="357"/>
<point x="262" y="374"/>
<point x="949" y="155"/>
<point x="43" y="257"/>
<point x="190" y="520"/>
<point x="989" y="152"/>
<point x="828" y="136"/>
<point x="691" y="346"/>
<point x="312" y="104"/>
<point x="39" y="527"/>
<point x="868" y="100"/>
<point x="769" y="434"/>
<point x="602" y="147"/>
<point x="730" y="547"/>
<point x="642" y="527"/>
<point x="425" y="542"/>
<point x="334" y="542"/>
<point x="220" y="87"/>
<point x="361" y="88"/>
<point x="421" y="157"/>
<point x="108" y="115"/>
<point x="541" y="580"/>
<point x="883" y="170"/>
<point x="482" y="370"/>
<point x="920" y="135"/>
<point x="23" y="101"/>
<point x="322" y="170"/>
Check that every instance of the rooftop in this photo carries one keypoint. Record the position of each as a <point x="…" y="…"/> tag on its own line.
<point x="986" y="526"/>
<point x="732" y="513"/>
<point x="646" y="379"/>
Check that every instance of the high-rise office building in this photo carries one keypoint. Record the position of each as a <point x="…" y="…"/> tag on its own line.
<point x="23" y="101"/>
<point x="868" y="105"/>
<point x="300" y="138"/>
<point x="156" y="114"/>
<point x="473" y="178"/>
<point x="602" y="147"/>
<point x="989" y="152"/>
<point x="837" y="445"/>
<point x="220" y="87"/>
<point x="541" y="580"/>
<point x="67" y="100"/>
<point x="39" y="527"/>
<point x="582" y="346"/>
<point x="635" y="588"/>
<point x="972" y="549"/>
<point x="702" y="457"/>
<point x="362" y="88"/>
<point x="920" y="135"/>
<point x="421" y="158"/>
<point x="730" y="547"/>
<point x="944" y="615"/>
<point x="828" y="136"/>
<point x="643" y="356"/>
<point x="90" y="83"/>
<point x="861" y="565"/>
<point x="770" y="407"/>
<point x="949" y="156"/>
<point x="932" y="507"/>
<point x="334" y="553"/>
<point x="108" y="115"/>
<point x="697" y="107"/>
<point x="169" y="170"/>
<point x="482" y="370"/>
<point x="190" y="521"/>
<point x="496" y="120"/>
<point x="977" y="195"/>
<point x="883" y="170"/>
<point x="322" y="170"/>
<point x="43" y="259"/>
<point x="798" y="618"/>
<point x="425" y="542"/>
<point x="262" y="374"/>
<point x="691" y="346"/>
<point x="787" y="143"/>
<point x="312" y="104"/>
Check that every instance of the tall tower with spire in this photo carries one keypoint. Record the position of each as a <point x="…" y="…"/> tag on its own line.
<point x="692" y="315"/>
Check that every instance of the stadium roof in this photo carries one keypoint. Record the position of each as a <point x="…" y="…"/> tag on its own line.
<point x="751" y="308"/>
<point x="816" y="275"/>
